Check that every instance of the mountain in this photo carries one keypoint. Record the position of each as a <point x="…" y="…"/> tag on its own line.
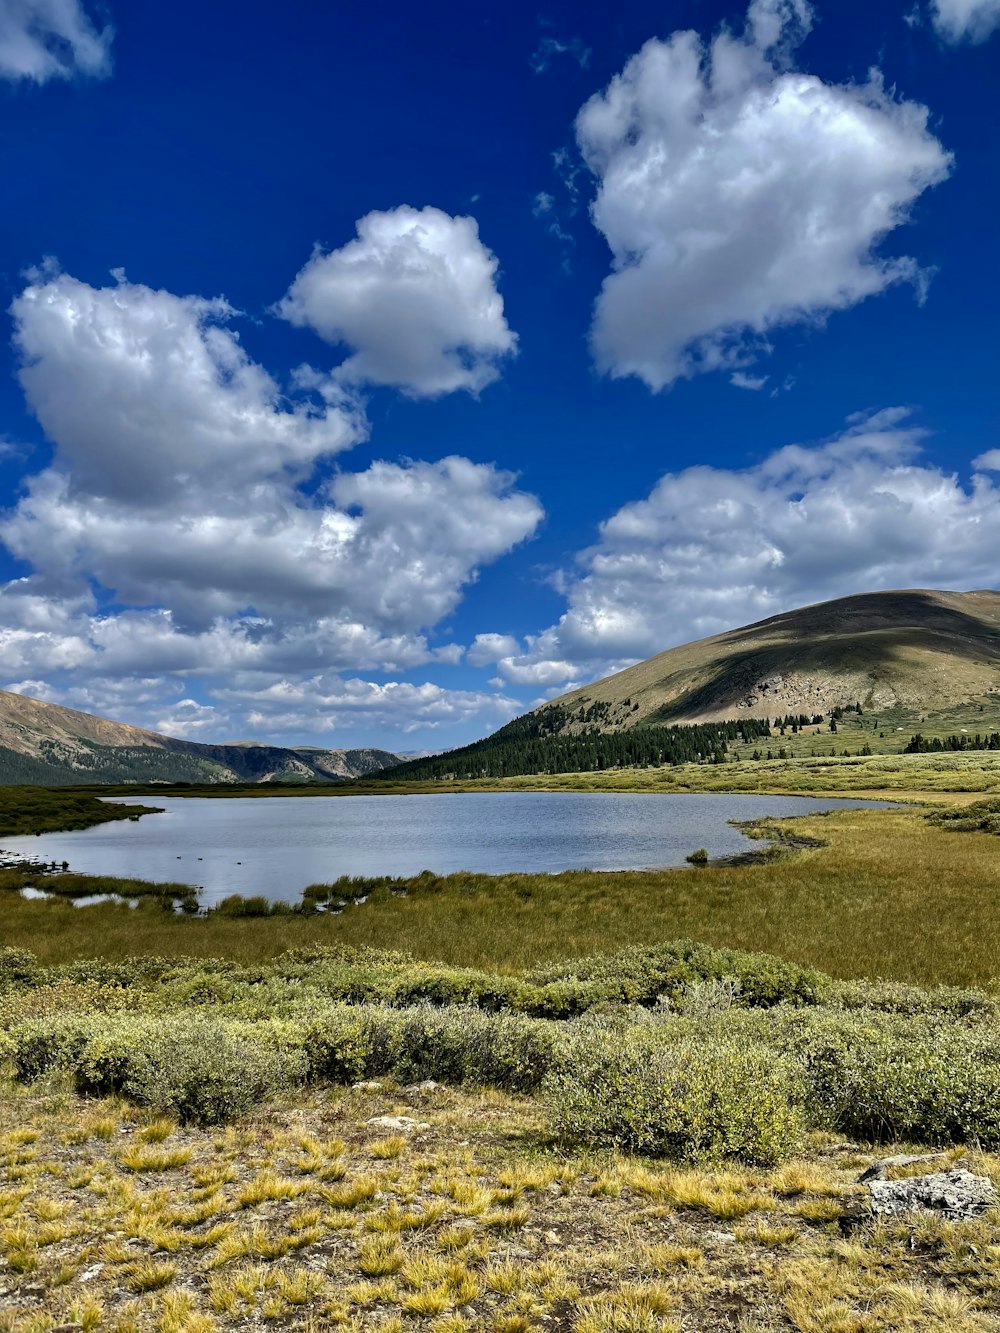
<point x="920" y="650"/>
<point x="347" y="763"/>
<point x="45" y="743"/>
<point x="916" y="657"/>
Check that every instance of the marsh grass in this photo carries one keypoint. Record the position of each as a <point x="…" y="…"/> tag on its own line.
<point x="888" y="894"/>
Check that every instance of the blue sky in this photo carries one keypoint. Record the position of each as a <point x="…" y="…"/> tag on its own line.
<point x="369" y="376"/>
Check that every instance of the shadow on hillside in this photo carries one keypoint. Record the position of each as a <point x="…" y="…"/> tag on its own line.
<point x="854" y="634"/>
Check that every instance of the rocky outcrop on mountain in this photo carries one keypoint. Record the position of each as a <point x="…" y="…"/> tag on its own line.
<point x="47" y="744"/>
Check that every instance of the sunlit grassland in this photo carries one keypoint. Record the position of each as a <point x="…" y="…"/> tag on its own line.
<point x="114" y="1220"/>
<point x="887" y="895"/>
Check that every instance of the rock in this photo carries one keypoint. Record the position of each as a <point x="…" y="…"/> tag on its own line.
<point x="428" y="1085"/>
<point x="368" y="1085"/>
<point x="854" y="1215"/>
<point x="721" y="1237"/>
<point x="957" y="1195"/>
<point x="880" y="1169"/>
<point x="404" y="1124"/>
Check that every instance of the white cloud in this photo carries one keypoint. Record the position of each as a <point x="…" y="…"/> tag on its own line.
<point x="710" y="548"/>
<point x="741" y="380"/>
<point x="187" y="485"/>
<point x="51" y="39"/>
<point x="738" y="195"/>
<point x="189" y="720"/>
<point x="965" y="20"/>
<point x="322" y="704"/>
<point x="489" y="648"/>
<point x="988" y="462"/>
<point x="414" y="296"/>
<point x="150" y="396"/>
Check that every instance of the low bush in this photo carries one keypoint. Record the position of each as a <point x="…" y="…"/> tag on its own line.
<point x="18" y="967"/>
<point x="692" y="1098"/>
<point x="879" y="1076"/>
<point x="645" y="975"/>
<point x="895" y="997"/>
<point x="200" y="1070"/>
<point x="39" y="1045"/>
<point x="455" y="1045"/>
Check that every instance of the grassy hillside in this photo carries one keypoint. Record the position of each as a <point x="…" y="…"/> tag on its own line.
<point x="918" y="651"/>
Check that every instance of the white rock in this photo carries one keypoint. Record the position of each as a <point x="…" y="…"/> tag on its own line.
<point x="401" y="1123"/>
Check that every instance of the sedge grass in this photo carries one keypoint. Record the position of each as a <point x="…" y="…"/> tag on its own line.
<point x="888" y="895"/>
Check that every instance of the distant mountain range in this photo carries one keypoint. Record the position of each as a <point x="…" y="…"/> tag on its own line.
<point x="916" y="653"/>
<point x="47" y="744"/>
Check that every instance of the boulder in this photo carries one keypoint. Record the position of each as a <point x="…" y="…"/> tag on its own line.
<point x="880" y="1169"/>
<point x="957" y="1195"/>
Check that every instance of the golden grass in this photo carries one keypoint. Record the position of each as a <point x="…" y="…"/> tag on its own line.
<point x="418" y="1246"/>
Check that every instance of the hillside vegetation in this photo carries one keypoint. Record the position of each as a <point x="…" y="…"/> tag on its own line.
<point x="880" y="673"/>
<point x="920" y="651"/>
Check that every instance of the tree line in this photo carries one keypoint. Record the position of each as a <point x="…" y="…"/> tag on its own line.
<point x="538" y="743"/>
<point x="952" y="744"/>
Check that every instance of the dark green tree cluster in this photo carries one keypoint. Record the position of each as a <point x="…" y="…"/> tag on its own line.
<point x="537" y="744"/>
<point x="952" y="744"/>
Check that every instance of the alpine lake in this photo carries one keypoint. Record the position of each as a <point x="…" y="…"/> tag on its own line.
<point x="277" y="846"/>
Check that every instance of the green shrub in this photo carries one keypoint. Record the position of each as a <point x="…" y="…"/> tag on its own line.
<point x="898" y="998"/>
<point x="460" y="1045"/>
<point x="18" y="967"/>
<point x="454" y="1045"/>
<point x="198" y="1069"/>
<point x="349" y="1043"/>
<point x="692" y="1098"/>
<point x="39" y="1045"/>
<point x="878" y="1076"/>
<point x="643" y="975"/>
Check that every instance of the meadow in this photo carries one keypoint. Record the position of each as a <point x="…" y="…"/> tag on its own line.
<point x="608" y="1103"/>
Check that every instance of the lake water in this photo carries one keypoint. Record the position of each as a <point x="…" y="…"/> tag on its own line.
<point x="277" y="845"/>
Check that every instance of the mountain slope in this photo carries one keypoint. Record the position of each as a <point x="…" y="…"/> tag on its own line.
<point x="917" y="649"/>
<point x="46" y="743"/>
<point x="923" y="660"/>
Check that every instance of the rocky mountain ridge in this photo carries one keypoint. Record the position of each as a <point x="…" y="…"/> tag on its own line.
<point x="48" y="744"/>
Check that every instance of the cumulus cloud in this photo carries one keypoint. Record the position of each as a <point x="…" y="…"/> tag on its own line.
<point x="965" y="20"/>
<point x="414" y="295"/>
<point x="489" y="648"/>
<point x="51" y="39"/>
<point x="738" y="194"/>
<point x="193" y="516"/>
<point x="151" y="397"/>
<point x="322" y="704"/>
<point x="711" y="548"/>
